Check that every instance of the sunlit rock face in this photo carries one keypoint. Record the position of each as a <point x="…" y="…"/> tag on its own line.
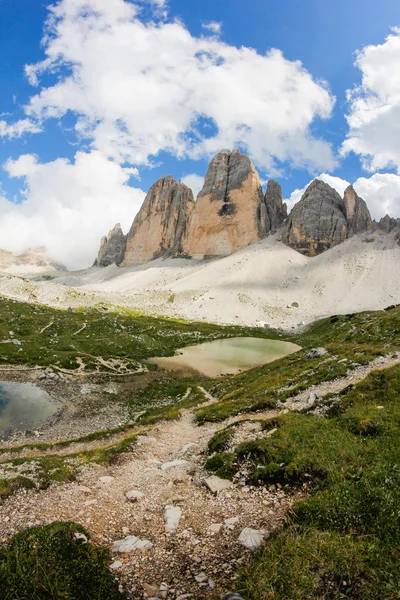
<point x="160" y="225"/>
<point x="230" y="211"/>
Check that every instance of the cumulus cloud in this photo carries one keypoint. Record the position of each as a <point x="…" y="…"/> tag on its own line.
<point x="67" y="206"/>
<point x="374" y="116"/>
<point x="381" y="192"/>
<point x="18" y="128"/>
<point x="194" y="182"/>
<point x="213" y="27"/>
<point x="137" y="88"/>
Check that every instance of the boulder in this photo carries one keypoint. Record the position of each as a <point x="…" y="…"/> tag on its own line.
<point x="316" y="353"/>
<point x="130" y="544"/>
<point x="216" y="484"/>
<point x="172" y="517"/>
<point x="161" y="223"/>
<point x="251" y="538"/>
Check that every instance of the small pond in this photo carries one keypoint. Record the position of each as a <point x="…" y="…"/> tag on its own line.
<point x="226" y="357"/>
<point x="24" y="406"/>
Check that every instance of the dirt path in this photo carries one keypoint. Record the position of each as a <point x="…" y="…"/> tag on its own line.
<point x="302" y="400"/>
<point x="175" y="558"/>
<point x="192" y="559"/>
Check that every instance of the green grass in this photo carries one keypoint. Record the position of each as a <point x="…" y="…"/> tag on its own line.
<point x="358" y="338"/>
<point x="54" y="468"/>
<point x="49" y="563"/>
<point x="343" y="540"/>
<point x="57" y="337"/>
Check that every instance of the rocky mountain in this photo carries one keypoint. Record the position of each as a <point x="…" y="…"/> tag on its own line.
<point x="32" y="260"/>
<point x="112" y="248"/>
<point x="160" y="226"/>
<point x="357" y="213"/>
<point x="322" y="219"/>
<point x="231" y="211"/>
<point x="388" y="224"/>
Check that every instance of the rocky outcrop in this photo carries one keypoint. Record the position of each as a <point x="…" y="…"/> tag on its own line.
<point x="276" y="209"/>
<point x="317" y="222"/>
<point x="388" y="224"/>
<point x="322" y="219"/>
<point x="230" y="211"/>
<point x="112" y="248"/>
<point x="161" y="224"/>
<point x="357" y="213"/>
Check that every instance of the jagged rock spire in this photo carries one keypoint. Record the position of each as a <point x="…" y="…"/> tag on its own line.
<point x="160" y="224"/>
<point x="112" y="248"/>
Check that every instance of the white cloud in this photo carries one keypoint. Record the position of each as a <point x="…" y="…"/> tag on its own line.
<point x="139" y="88"/>
<point x="374" y="117"/>
<point x="194" y="182"/>
<point x="18" y="128"/>
<point x="213" y="27"/>
<point x="381" y="192"/>
<point x="67" y="206"/>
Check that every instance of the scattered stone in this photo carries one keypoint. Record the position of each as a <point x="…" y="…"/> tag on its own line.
<point x="80" y="537"/>
<point x="187" y="447"/>
<point x="216" y="484"/>
<point x="134" y="495"/>
<point x="84" y="489"/>
<point x="174" y="463"/>
<point x="215" y="527"/>
<point x="230" y="523"/>
<point x="172" y="517"/>
<point x="151" y="590"/>
<point x="106" y="479"/>
<point x="16" y="342"/>
<point x="251" y="538"/>
<point x="295" y="304"/>
<point x="316" y="353"/>
<point x="130" y="544"/>
<point x="201" y="577"/>
<point x="116" y="565"/>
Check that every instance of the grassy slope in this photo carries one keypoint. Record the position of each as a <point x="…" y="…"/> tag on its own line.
<point x="350" y="339"/>
<point x="57" y="337"/>
<point x="343" y="540"/>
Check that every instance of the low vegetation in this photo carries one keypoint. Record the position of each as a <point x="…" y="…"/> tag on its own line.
<point x="351" y="340"/>
<point x="55" y="561"/>
<point x="342" y="540"/>
<point x="98" y="338"/>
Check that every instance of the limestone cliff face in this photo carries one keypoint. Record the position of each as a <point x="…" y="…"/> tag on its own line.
<point x="388" y="224"/>
<point x="112" y="248"/>
<point x="317" y="222"/>
<point x="357" y="213"/>
<point x="276" y="209"/>
<point x="161" y="223"/>
<point x="322" y="219"/>
<point x="230" y="211"/>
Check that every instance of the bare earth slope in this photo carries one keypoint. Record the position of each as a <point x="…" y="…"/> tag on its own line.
<point x="259" y="283"/>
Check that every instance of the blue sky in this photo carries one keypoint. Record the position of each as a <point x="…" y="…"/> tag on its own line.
<point x="130" y="91"/>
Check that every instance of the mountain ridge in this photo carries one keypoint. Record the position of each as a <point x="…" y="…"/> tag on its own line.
<point x="231" y="212"/>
